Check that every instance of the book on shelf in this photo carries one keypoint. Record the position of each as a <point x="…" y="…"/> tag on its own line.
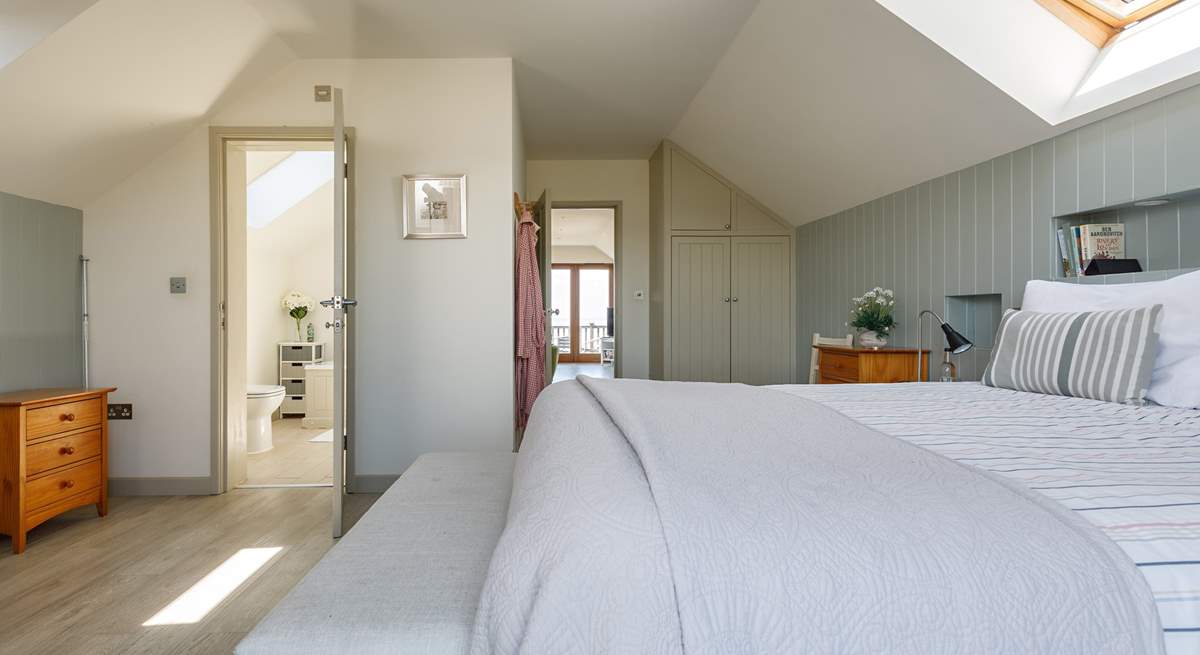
<point x="1078" y="245"/>
<point x="1103" y="241"/>
<point x="1064" y="254"/>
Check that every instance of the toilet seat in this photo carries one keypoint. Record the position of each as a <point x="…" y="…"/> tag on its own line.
<point x="263" y="390"/>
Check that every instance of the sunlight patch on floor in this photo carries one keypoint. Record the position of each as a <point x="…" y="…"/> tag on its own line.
<point x="195" y="603"/>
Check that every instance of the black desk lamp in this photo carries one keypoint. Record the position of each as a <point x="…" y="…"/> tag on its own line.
<point x="955" y="342"/>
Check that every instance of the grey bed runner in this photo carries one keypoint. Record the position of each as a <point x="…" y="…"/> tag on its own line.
<point x="406" y="578"/>
<point x="699" y="518"/>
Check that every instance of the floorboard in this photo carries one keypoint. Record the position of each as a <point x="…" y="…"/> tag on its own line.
<point x="86" y="585"/>
<point x="294" y="459"/>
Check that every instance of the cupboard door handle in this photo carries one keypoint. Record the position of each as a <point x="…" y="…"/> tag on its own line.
<point x="725" y="300"/>
<point x="735" y="300"/>
<point x="727" y="226"/>
<point x="69" y="450"/>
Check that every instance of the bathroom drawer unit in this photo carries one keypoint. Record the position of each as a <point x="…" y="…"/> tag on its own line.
<point x="293" y="357"/>
<point x="53" y="456"/>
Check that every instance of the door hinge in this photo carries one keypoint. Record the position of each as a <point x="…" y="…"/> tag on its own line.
<point x="221" y="310"/>
<point x="346" y="171"/>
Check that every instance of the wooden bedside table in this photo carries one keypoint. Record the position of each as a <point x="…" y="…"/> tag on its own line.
<point x="53" y="456"/>
<point x="840" y="365"/>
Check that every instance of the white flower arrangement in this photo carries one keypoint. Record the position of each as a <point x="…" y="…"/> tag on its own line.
<point x="297" y="305"/>
<point x="872" y="311"/>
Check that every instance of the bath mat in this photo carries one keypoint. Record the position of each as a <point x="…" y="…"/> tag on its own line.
<point x="324" y="437"/>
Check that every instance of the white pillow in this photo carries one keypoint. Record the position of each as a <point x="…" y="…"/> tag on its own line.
<point x="1176" y="378"/>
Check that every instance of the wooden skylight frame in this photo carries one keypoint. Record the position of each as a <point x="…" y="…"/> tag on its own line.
<point x="1096" y="24"/>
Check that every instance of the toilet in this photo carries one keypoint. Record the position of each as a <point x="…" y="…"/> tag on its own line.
<point x="261" y="402"/>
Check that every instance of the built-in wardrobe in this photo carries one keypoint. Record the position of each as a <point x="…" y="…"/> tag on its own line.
<point x="721" y="300"/>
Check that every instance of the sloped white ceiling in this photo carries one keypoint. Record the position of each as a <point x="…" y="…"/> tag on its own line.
<point x="595" y="79"/>
<point x="121" y="82"/>
<point x="819" y="106"/>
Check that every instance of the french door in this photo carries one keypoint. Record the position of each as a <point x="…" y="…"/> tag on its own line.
<point x="581" y="303"/>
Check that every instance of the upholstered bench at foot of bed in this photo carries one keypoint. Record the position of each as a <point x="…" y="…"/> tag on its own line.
<point x="407" y="577"/>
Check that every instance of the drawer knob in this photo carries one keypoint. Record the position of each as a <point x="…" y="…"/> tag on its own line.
<point x="67" y="484"/>
<point x="68" y="417"/>
<point x="69" y="450"/>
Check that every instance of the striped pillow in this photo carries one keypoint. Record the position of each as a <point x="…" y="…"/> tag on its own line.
<point x="1106" y="355"/>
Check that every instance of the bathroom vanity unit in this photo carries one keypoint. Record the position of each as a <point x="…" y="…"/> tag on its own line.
<point x="53" y="456"/>
<point x="318" y="396"/>
<point x="293" y="357"/>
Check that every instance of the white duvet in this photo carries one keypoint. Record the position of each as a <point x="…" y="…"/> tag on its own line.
<point x="696" y="518"/>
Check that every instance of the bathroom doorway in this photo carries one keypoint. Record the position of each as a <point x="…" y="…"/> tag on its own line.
<point x="583" y="290"/>
<point x="276" y="360"/>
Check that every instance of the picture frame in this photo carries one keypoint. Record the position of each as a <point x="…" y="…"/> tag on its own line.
<point x="435" y="206"/>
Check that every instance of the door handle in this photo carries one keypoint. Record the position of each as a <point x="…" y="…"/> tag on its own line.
<point x="338" y="302"/>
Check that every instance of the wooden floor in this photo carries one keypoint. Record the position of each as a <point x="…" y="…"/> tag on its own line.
<point x="86" y="585"/>
<point x="294" y="459"/>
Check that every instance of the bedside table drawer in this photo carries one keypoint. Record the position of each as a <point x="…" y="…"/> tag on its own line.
<point x="837" y="365"/>
<point x="45" y="421"/>
<point x="62" y="484"/>
<point x="48" y="455"/>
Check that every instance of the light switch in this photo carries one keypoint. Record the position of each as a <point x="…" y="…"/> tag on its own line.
<point x="179" y="285"/>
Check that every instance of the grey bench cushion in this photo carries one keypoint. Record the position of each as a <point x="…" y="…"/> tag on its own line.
<point x="407" y="577"/>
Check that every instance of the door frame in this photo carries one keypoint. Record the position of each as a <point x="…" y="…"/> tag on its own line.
<point x="618" y="262"/>
<point x="573" y="329"/>
<point x="218" y="137"/>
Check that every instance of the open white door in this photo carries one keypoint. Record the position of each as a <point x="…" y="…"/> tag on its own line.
<point x="541" y="216"/>
<point x="340" y="305"/>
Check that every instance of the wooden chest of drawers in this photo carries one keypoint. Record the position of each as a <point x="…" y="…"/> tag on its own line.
<point x="53" y="456"/>
<point x="839" y="365"/>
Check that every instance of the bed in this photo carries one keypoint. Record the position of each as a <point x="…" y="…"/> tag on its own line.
<point x="683" y="517"/>
<point x="583" y="564"/>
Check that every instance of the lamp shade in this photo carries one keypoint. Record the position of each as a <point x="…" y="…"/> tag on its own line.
<point x="957" y="343"/>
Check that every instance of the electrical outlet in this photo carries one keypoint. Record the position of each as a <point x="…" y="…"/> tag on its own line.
<point x="179" y="285"/>
<point x="120" y="411"/>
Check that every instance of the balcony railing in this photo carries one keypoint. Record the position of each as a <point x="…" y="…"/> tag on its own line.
<point x="589" y="338"/>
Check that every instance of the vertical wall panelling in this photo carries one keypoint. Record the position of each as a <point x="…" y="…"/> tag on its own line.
<point x="1023" y="228"/>
<point x="1149" y="157"/>
<point x="1162" y="237"/>
<point x="1002" y="224"/>
<point x="1066" y="173"/>
<point x="1182" y="130"/>
<point x="1189" y="235"/>
<point x="981" y="233"/>
<point x="985" y="239"/>
<point x="40" y="244"/>
<point x="1118" y="160"/>
<point x="1090" y="172"/>
<point x="966" y="230"/>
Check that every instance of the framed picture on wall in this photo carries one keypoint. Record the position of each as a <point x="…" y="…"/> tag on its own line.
<point x="435" y="206"/>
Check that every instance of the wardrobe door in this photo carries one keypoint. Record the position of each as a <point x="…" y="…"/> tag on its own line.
<point x="699" y="201"/>
<point x="700" y="302"/>
<point x="761" y="302"/>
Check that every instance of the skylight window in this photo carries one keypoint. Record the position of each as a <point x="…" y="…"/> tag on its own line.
<point x="1099" y="21"/>
<point x="287" y="183"/>
<point x="1120" y="13"/>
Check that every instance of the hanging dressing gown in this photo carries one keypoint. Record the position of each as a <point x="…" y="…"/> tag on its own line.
<point x="531" y="320"/>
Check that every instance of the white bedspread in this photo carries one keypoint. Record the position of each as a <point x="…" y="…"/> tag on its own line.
<point x="672" y="517"/>
<point x="1133" y="472"/>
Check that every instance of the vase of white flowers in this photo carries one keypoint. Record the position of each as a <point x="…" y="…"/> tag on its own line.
<point x="297" y="305"/>
<point x="872" y="315"/>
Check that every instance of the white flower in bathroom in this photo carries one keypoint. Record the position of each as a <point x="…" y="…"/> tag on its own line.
<point x="297" y="305"/>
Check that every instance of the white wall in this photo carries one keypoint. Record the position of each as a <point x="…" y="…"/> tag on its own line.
<point x="293" y="252"/>
<point x="421" y="301"/>
<point x="627" y="181"/>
